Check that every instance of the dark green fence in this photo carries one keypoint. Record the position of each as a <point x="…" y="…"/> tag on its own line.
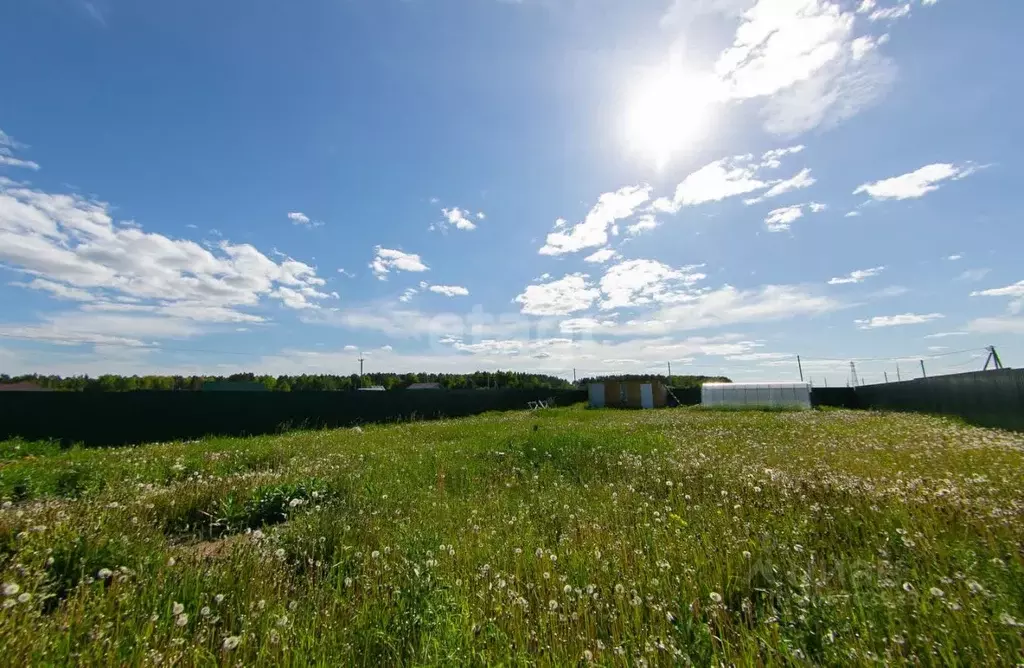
<point x="836" y="397"/>
<point x="118" y="418"/>
<point x="987" y="398"/>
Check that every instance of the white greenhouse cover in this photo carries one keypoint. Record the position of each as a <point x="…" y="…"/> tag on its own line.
<point x="781" y="395"/>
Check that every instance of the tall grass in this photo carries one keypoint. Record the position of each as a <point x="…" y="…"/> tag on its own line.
<point x="554" y="538"/>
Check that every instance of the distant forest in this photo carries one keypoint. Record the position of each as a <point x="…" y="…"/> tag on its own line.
<point x="326" y="382"/>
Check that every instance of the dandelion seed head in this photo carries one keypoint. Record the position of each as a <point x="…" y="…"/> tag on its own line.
<point x="177" y="608"/>
<point x="10" y="589"/>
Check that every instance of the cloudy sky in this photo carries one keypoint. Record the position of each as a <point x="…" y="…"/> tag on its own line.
<point x="538" y="185"/>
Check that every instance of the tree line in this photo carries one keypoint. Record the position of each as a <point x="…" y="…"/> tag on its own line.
<point x="331" y="382"/>
<point x="289" y="383"/>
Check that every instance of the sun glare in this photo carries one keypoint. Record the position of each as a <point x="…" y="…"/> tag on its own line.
<point x="669" y="112"/>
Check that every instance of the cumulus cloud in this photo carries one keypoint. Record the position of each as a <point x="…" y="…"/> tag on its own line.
<point x="639" y="282"/>
<point x="915" y="184"/>
<point x="569" y="294"/>
<point x="857" y="276"/>
<point x="460" y="219"/>
<point x="298" y="218"/>
<point x="802" y="179"/>
<point x="897" y="320"/>
<point x="387" y="260"/>
<point x="593" y="231"/>
<point x="780" y="220"/>
<point x="601" y="256"/>
<point x="72" y="247"/>
<point x="644" y="223"/>
<point x="449" y="290"/>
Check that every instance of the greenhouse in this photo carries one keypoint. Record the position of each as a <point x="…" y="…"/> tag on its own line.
<point x="756" y="395"/>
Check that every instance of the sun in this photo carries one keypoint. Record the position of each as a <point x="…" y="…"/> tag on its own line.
<point x="670" y="110"/>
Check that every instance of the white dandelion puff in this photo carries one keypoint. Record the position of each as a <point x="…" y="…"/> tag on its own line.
<point x="177" y="608"/>
<point x="10" y="589"/>
<point x="715" y="597"/>
<point x="231" y="642"/>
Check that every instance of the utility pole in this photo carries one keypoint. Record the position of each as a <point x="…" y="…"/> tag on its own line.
<point x="853" y="374"/>
<point x="670" y="373"/>
<point x="574" y="375"/>
<point x="800" y="367"/>
<point x="924" y="374"/>
<point x="886" y="374"/>
<point x="826" y="381"/>
<point x="993" y="358"/>
<point x="360" y="368"/>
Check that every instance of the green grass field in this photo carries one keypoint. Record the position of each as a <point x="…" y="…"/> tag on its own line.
<point x="562" y="537"/>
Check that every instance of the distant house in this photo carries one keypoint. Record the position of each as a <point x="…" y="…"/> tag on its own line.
<point x="424" y="386"/>
<point x="23" y="387"/>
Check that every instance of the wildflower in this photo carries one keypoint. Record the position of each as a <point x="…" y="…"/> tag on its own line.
<point x="292" y="605"/>
<point x="554" y="557"/>
<point x="10" y="589"/>
<point x="24" y="597"/>
<point x="177" y="608"/>
<point x="275" y="637"/>
<point x="619" y="588"/>
<point x="375" y="554"/>
<point x="1008" y="620"/>
<point x="171" y="561"/>
<point x="539" y="553"/>
<point x="261" y="604"/>
<point x="907" y="587"/>
<point x="588" y="656"/>
<point x="294" y="503"/>
<point x="518" y="550"/>
<point x="715" y="597"/>
<point x="280" y="553"/>
<point x="975" y="587"/>
<point x="282" y="620"/>
<point x="219" y="598"/>
<point x="566" y="589"/>
<point x="181" y="620"/>
<point x="669" y="617"/>
<point x="230" y="642"/>
<point x="553" y="605"/>
<point x="936" y="592"/>
<point x="204" y="611"/>
<point x="547" y="576"/>
<point x="746" y="554"/>
<point x="104" y="573"/>
<point x="348" y="582"/>
<point x="257" y="535"/>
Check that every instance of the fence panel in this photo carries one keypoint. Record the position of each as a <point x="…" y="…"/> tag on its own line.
<point x="118" y="418"/>
<point x="987" y="398"/>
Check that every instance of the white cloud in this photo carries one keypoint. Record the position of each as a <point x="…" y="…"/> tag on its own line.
<point x="593" y="231"/>
<point x="802" y="179"/>
<point x="601" y="256"/>
<point x="954" y="258"/>
<point x="386" y="348"/>
<point x="730" y="306"/>
<point x="780" y="220"/>
<point x="458" y="218"/>
<point x="857" y="276"/>
<point x="771" y="158"/>
<point x="298" y="218"/>
<point x="1015" y="290"/>
<point x="351" y="348"/>
<point x="59" y="290"/>
<point x="915" y="184"/>
<point x="407" y="295"/>
<point x="578" y="325"/>
<point x="760" y="357"/>
<point x="638" y="282"/>
<point x="852" y="214"/>
<point x="449" y="290"/>
<point x="644" y="223"/>
<point x="73" y="242"/>
<point x="7" y="147"/>
<point x="943" y="335"/>
<point x="890" y="13"/>
<point x="719" y="180"/>
<point x="569" y="294"/>
<point x="388" y="259"/>
<point x="866" y="6"/>
<point x="897" y="320"/>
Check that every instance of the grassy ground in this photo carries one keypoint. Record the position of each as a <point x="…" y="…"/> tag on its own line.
<point x="555" y="538"/>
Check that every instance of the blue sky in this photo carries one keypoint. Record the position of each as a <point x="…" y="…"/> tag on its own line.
<point x="541" y="185"/>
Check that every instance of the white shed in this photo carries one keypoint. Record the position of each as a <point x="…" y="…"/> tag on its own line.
<point x="756" y="395"/>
